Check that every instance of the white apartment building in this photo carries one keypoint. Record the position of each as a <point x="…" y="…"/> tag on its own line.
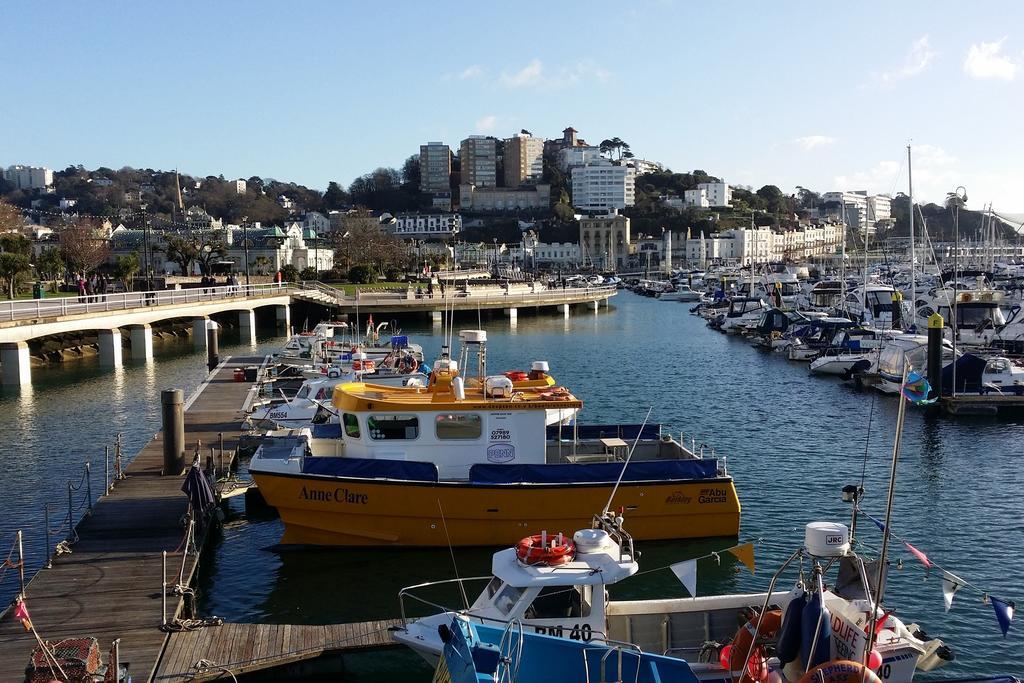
<point x="719" y="194"/>
<point x="879" y="209"/>
<point x="317" y="222"/>
<point x="524" y="159"/>
<point x="29" y="177"/>
<point x="478" y="161"/>
<point x="862" y="209"/>
<point x="435" y="167"/>
<point x="548" y="253"/>
<point x="697" y="199"/>
<point x="644" y="166"/>
<point x="603" y="186"/>
<point x="571" y="157"/>
<point x="418" y="225"/>
<point x="764" y="245"/>
<point x="240" y="186"/>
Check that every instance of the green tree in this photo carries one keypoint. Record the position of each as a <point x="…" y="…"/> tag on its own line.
<point x="202" y="247"/>
<point x="262" y="264"/>
<point x="127" y="268"/>
<point x="361" y="275"/>
<point x="309" y="273"/>
<point x="15" y="243"/>
<point x="616" y="149"/>
<point x="50" y="264"/>
<point x="335" y="198"/>
<point x="10" y="217"/>
<point x="289" y="273"/>
<point x="12" y="267"/>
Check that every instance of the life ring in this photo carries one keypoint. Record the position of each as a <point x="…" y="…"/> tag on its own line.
<point x="841" y="671"/>
<point x="363" y="365"/>
<point x="559" y="549"/>
<point x="517" y="375"/>
<point x="408" y="365"/>
<point x="754" y="666"/>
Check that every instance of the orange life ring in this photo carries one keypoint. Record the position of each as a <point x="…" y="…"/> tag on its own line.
<point x="517" y="375"/>
<point x="841" y="671"/>
<point x="364" y="365"/>
<point x="739" y="664"/>
<point x="559" y="549"/>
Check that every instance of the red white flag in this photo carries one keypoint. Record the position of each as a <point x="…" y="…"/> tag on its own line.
<point x="918" y="554"/>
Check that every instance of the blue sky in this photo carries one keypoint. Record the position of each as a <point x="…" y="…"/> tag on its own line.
<point x="816" y="94"/>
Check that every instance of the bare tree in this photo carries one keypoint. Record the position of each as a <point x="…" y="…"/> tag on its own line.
<point x="83" y="245"/>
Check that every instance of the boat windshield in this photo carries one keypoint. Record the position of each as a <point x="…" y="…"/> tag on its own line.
<point x="790" y="288"/>
<point x="507" y="599"/>
<point x="974" y="315"/>
<point x="303" y="392"/>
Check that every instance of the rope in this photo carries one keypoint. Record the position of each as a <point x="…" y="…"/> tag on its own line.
<point x="204" y="665"/>
<point x="179" y="625"/>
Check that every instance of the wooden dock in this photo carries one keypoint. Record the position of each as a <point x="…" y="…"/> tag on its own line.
<point x="109" y="585"/>
<point x="205" y="654"/>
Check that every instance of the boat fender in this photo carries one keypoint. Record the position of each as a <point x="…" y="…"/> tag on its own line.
<point x="788" y="648"/>
<point x="756" y="666"/>
<point x="841" y="671"/>
<point x="815" y="617"/>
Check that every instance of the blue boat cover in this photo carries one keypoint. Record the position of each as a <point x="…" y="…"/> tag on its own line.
<point x="370" y="468"/>
<point x="644" y="470"/>
<point x="969" y="369"/>
<point x="399" y="341"/>
<point x="331" y="430"/>
<point x="650" y="432"/>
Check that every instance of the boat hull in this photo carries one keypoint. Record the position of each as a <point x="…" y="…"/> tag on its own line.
<point x="353" y="511"/>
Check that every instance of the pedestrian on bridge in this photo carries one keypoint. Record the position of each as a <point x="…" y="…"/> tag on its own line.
<point x="81" y="288"/>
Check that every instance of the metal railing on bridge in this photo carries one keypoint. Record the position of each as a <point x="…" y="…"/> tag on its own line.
<point x="462" y="297"/>
<point x="99" y="303"/>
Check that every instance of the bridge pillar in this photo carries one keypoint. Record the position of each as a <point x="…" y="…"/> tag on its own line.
<point x="141" y="338"/>
<point x="284" y="316"/>
<point x="594" y="304"/>
<point x="564" y="309"/>
<point x="199" y="333"/>
<point x="247" y="327"/>
<point x="17" y="364"/>
<point x="512" y="313"/>
<point x="110" y="348"/>
<point x="436" y="317"/>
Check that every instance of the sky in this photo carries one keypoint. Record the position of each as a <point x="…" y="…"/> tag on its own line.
<point x="820" y="95"/>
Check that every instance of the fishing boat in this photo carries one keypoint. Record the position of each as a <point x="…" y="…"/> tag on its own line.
<point x="555" y="585"/>
<point x="472" y="460"/>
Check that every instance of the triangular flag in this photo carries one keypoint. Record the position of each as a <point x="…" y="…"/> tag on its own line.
<point x="21" y="614"/>
<point x="881" y="527"/>
<point x="951" y="583"/>
<point x="918" y="554"/>
<point x="686" y="572"/>
<point x="745" y="554"/>
<point x="1004" y="613"/>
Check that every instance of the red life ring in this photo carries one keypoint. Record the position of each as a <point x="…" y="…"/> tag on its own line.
<point x="756" y="666"/>
<point x="841" y="671"/>
<point x="559" y="549"/>
<point x="517" y="375"/>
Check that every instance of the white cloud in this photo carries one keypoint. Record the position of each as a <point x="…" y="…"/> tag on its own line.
<point x="486" y="124"/>
<point x="985" y="61"/>
<point x="916" y="61"/>
<point x="472" y="71"/>
<point x="536" y="75"/>
<point x="809" y="142"/>
<point x="936" y="172"/>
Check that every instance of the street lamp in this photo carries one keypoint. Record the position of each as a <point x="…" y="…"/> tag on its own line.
<point x="245" y="246"/>
<point x="147" y="255"/>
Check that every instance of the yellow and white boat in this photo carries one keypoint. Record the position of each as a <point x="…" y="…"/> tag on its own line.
<point x="477" y="461"/>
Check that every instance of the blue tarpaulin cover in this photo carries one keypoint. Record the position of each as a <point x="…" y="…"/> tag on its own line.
<point x="370" y="468"/>
<point x="646" y="470"/>
<point x="627" y="432"/>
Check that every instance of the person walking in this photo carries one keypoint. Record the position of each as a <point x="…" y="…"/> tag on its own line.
<point x="81" y="288"/>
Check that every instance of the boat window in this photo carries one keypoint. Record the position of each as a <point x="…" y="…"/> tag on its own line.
<point x="492" y="587"/>
<point x="351" y="423"/>
<point x="303" y="392"/>
<point x="507" y="599"/>
<point x="391" y="427"/>
<point x="323" y="393"/>
<point x="557" y="602"/>
<point x="458" y="426"/>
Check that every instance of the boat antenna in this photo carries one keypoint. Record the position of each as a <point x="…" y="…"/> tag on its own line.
<point x="451" y="551"/>
<point x="629" y="456"/>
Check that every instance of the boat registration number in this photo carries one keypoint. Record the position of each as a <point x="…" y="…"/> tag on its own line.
<point x="578" y="632"/>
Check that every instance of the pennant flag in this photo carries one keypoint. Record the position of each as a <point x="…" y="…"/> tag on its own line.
<point x="1004" y="613"/>
<point x="916" y="389"/>
<point x="21" y="614"/>
<point x="918" y="554"/>
<point x="881" y="527"/>
<point x="951" y="583"/>
<point x="686" y="572"/>
<point x="745" y="554"/>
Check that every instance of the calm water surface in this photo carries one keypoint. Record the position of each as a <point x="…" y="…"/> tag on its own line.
<point x="792" y="442"/>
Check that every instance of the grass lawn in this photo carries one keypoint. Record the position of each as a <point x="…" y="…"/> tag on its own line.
<point x="351" y="289"/>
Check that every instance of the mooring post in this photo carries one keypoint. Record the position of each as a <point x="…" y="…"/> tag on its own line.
<point x="46" y="521"/>
<point x="106" y="470"/>
<point x="117" y="459"/>
<point x="163" y="592"/>
<point x="936" y="332"/>
<point x="21" y="563"/>
<point x="88" y="486"/>
<point x="172" y="401"/>
<point x="212" y="353"/>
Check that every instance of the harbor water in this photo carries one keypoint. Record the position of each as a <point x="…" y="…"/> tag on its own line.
<point x="792" y="441"/>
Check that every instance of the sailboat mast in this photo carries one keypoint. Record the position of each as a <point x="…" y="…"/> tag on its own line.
<point x="842" y="263"/>
<point x="913" y="251"/>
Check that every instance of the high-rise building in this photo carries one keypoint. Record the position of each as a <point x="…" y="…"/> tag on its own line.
<point x="29" y="177"/>
<point x="603" y="186"/>
<point x="435" y="167"/>
<point x="478" y="161"/>
<point x="524" y="159"/>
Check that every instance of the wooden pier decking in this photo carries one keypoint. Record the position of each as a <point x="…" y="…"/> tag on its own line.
<point x="244" y="648"/>
<point x="109" y="586"/>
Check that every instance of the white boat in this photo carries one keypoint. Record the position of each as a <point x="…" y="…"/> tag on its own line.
<point x="848" y="348"/>
<point x="905" y="350"/>
<point x="979" y="316"/>
<point x="551" y="584"/>
<point x="744" y="313"/>
<point x="680" y="293"/>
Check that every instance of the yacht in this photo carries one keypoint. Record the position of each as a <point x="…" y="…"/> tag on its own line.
<point x="681" y="292"/>
<point x="849" y="347"/>
<point x="744" y="313"/>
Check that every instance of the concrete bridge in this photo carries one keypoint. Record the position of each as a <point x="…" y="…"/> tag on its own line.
<point x="108" y="314"/>
<point x="493" y="296"/>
